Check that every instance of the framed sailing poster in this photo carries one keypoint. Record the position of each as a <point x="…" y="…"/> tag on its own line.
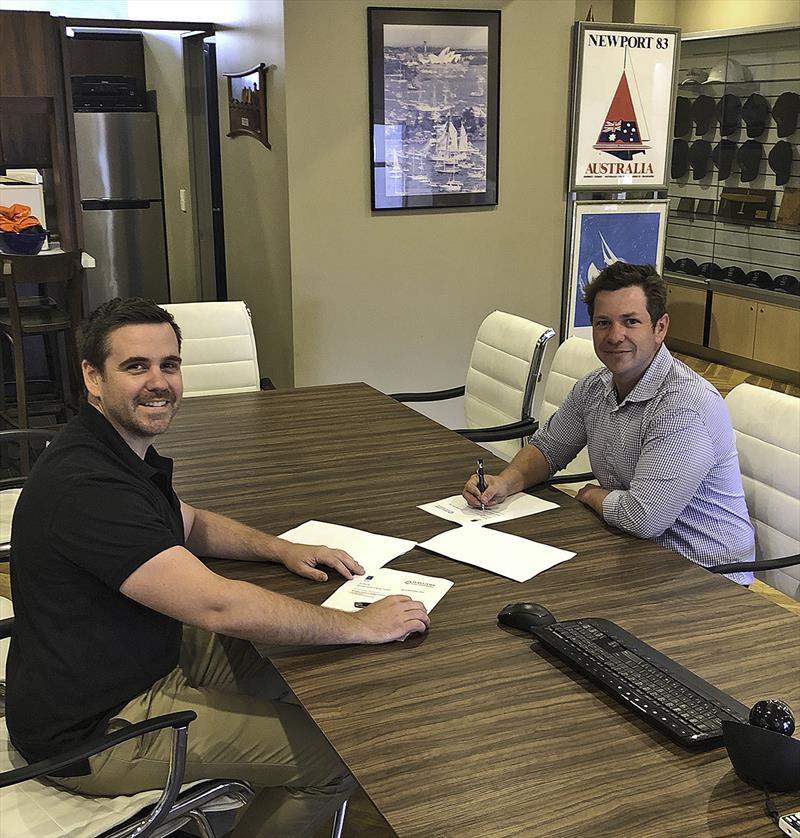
<point x="604" y="233"/>
<point x="434" y="86"/>
<point x="622" y="110"/>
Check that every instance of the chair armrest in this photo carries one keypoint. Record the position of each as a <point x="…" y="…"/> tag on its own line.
<point x="499" y="433"/>
<point x="95" y="746"/>
<point x="43" y="434"/>
<point x="432" y="396"/>
<point x="5" y="628"/>
<point x="747" y="567"/>
<point x="556" y="479"/>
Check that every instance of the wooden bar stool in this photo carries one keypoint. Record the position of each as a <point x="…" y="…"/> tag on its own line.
<point x="44" y="315"/>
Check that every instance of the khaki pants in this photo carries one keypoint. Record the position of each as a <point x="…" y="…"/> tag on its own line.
<point x="248" y="727"/>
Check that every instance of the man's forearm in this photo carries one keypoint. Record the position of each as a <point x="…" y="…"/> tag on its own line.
<point x="528" y="468"/>
<point x="223" y="538"/>
<point x="261" y="616"/>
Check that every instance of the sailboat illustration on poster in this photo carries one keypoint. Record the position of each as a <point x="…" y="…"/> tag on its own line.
<point x="621" y="134"/>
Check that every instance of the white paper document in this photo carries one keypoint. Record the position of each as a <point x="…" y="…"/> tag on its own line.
<point x="360" y="591"/>
<point x="456" y="509"/>
<point x="508" y="555"/>
<point x="369" y="549"/>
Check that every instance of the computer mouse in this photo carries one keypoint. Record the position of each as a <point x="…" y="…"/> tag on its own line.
<point x="525" y="616"/>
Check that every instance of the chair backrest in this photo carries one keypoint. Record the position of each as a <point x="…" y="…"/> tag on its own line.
<point x="767" y="426"/>
<point x="218" y="348"/>
<point x="573" y="359"/>
<point x="503" y="372"/>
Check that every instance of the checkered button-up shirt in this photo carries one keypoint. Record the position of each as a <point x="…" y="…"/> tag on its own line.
<point x="667" y="453"/>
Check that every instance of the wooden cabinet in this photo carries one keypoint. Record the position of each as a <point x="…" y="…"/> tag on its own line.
<point x="777" y="336"/>
<point x="733" y="325"/>
<point x="752" y="329"/>
<point x="687" y="312"/>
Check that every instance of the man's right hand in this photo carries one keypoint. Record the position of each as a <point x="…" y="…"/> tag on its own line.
<point x="392" y="618"/>
<point x="496" y="491"/>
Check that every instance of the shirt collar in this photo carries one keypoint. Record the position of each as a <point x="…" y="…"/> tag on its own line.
<point x="153" y="465"/>
<point x="648" y="385"/>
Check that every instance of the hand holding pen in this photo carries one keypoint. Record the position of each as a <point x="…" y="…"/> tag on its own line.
<point x="481" y="480"/>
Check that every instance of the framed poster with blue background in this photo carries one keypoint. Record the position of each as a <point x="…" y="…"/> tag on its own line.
<point x="604" y="233"/>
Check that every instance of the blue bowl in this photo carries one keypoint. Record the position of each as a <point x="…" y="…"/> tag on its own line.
<point x="27" y="243"/>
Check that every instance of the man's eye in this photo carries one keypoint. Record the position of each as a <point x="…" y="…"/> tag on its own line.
<point x="171" y="366"/>
<point x="134" y="367"/>
<point x="632" y="321"/>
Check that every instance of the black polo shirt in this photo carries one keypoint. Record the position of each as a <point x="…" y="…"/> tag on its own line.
<point x="90" y="514"/>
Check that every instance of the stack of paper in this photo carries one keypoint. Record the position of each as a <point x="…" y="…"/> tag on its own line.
<point x="508" y="555"/>
<point x="370" y="550"/>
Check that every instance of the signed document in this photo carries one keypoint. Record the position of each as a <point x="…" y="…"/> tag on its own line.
<point x="360" y="591"/>
<point x="457" y="510"/>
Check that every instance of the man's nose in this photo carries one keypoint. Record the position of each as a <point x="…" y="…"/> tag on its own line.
<point x="156" y="380"/>
<point x="616" y="333"/>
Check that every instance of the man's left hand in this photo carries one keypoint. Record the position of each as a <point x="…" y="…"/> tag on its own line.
<point x="305" y="559"/>
<point x="592" y="496"/>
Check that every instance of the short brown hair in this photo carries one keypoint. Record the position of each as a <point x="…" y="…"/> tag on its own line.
<point x="93" y="333"/>
<point x="623" y="275"/>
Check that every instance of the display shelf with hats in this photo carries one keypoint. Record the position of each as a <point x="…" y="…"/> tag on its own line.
<point x="734" y="222"/>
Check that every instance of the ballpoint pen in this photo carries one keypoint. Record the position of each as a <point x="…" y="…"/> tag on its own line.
<point x="481" y="480"/>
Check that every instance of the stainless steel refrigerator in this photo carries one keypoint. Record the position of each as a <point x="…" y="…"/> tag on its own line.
<point x="119" y="172"/>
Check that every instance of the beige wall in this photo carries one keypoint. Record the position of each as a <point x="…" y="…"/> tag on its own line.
<point x="602" y="10"/>
<point x="660" y="12"/>
<point x="708" y="15"/>
<point x="255" y="187"/>
<point x="395" y="299"/>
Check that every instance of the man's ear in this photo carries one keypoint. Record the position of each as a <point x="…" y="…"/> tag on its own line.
<point x="661" y="327"/>
<point x="92" y="378"/>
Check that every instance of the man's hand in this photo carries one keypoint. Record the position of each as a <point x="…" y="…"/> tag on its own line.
<point x="392" y="618"/>
<point x="496" y="491"/>
<point x="305" y="559"/>
<point x="592" y="496"/>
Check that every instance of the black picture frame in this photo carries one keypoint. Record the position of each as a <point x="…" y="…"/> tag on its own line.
<point x="434" y="89"/>
<point x="247" y="103"/>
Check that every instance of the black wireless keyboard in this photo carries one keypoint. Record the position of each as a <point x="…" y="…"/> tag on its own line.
<point x="660" y="690"/>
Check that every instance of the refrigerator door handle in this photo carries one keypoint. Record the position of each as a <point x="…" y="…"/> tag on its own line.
<point x="113" y="204"/>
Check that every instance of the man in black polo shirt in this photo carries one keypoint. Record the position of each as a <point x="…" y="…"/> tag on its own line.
<point x="118" y="621"/>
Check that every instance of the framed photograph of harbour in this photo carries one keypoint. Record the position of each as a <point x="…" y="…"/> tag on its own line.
<point x="434" y="87"/>
<point x="623" y="87"/>
<point x="604" y="233"/>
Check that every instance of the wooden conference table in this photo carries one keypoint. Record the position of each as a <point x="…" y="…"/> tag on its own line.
<point x="468" y="731"/>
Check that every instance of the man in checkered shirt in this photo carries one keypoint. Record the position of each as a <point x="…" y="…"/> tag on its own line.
<point x="660" y="441"/>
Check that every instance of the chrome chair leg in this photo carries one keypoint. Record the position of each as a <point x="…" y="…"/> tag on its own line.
<point x="338" y="820"/>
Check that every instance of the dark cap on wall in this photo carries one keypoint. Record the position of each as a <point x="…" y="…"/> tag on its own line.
<point x="683" y="117"/>
<point x="761" y="279"/>
<point x="755" y="112"/>
<point x="787" y="284"/>
<point x="703" y="114"/>
<point x="729" y="112"/>
<point x="750" y="156"/>
<point x="680" y="159"/>
<point x="700" y="158"/>
<point x="780" y="161"/>
<point x="733" y="273"/>
<point x="723" y="156"/>
<point x="686" y="266"/>
<point x="785" y="111"/>
<point x="710" y="270"/>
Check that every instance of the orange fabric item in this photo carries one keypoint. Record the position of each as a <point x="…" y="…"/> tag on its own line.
<point x="16" y="218"/>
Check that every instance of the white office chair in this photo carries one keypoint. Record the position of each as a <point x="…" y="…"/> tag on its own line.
<point x="573" y="359"/>
<point x="767" y="426"/>
<point x="16" y="453"/>
<point x="31" y="806"/>
<point x="218" y="348"/>
<point x="500" y="392"/>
